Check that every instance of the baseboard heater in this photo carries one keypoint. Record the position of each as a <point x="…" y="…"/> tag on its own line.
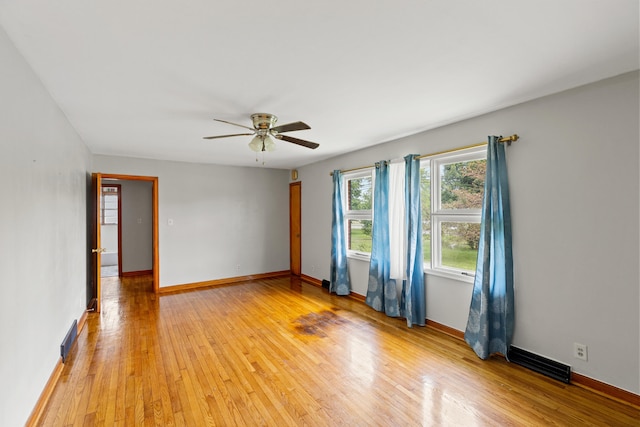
<point x="542" y="365"/>
<point x="68" y="341"/>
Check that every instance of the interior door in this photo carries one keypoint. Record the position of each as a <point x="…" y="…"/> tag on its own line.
<point x="96" y="248"/>
<point x="92" y="293"/>
<point x="295" y="220"/>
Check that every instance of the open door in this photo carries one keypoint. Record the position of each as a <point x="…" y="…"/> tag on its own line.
<point x="295" y="221"/>
<point x="96" y="248"/>
<point x="91" y="291"/>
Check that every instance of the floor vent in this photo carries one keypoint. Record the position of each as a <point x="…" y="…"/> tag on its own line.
<point x="542" y="365"/>
<point x="68" y="341"/>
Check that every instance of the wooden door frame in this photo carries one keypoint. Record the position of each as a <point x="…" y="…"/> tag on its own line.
<point x="291" y="237"/>
<point x="154" y="219"/>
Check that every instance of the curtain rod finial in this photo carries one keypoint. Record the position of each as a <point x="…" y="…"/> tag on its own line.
<point x="511" y="139"/>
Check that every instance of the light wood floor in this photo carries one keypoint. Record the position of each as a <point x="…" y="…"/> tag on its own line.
<point x="279" y="352"/>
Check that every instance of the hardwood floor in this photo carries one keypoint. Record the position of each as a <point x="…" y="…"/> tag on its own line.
<point x="280" y="352"/>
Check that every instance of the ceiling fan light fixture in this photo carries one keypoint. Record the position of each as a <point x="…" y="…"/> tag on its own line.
<point x="256" y="144"/>
<point x="269" y="145"/>
<point x="262" y="143"/>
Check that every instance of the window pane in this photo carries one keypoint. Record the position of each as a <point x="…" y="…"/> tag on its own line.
<point x="462" y="184"/>
<point x="359" y="193"/>
<point x="425" y="200"/>
<point x="110" y="202"/>
<point x="109" y="205"/>
<point x="359" y="232"/>
<point x="110" y="217"/>
<point x="460" y="244"/>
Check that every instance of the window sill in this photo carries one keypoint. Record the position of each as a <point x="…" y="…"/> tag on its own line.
<point x="359" y="256"/>
<point x="453" y="275"/>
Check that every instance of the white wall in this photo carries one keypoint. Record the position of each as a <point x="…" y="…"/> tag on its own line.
<point x="575" y="199"/>
<point x="43" y="246"/>
<point x="227" y="221"/>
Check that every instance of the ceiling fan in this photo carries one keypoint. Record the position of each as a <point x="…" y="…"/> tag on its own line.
<point x="264" y="130"/>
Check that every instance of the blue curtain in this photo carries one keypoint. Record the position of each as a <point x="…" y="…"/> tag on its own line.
<point x="339" y="275"/>
<point x="491" y="315"/>
<point x="381" y="292"/>
<point x="413" y="303"/>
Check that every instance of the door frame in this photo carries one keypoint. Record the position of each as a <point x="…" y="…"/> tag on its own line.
<point x="95" y="229"/>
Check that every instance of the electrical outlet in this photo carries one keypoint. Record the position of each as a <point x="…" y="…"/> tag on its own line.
<point x="313" y="268"/>
<point x="238" y="267"/>
<point x="580" y="351"/>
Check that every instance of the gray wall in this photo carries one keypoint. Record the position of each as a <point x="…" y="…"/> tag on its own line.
<point x="227" y="221"/>
<point x="137" y="228"/>
<point x="43" y="247"/>
<point x="137" y="225"/>
<point x="574" y="192"/>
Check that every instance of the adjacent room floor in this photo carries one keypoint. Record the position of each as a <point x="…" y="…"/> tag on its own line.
<point x="108" y="271"/>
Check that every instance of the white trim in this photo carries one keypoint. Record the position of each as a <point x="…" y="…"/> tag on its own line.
<point x="361" y="215"/>
<point x="438" y="215"/>
<point x="362" y="256"/>
<point x="449" y="275"/>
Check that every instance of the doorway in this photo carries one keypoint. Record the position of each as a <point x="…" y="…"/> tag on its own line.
<point x="97" y="248"/>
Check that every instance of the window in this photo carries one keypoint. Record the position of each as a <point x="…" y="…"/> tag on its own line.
<point x="109" y="196"/>
<point x="452" y="187"/>
<point x="358" y="196"/>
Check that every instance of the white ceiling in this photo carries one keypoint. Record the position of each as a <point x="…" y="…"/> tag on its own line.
<point x="145" y="78"/>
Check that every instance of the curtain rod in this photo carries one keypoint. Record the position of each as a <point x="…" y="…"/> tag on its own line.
<point x="507" y="139"/>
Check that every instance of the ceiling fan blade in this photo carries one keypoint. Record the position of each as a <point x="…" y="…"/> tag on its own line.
<point x="289" y="127"/>
<point x="226" y="136"/>
<point x="235" y="124"/>
<point x="302" y="142"/>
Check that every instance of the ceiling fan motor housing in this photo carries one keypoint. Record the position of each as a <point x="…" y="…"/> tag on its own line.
<point x="263" y="120"/>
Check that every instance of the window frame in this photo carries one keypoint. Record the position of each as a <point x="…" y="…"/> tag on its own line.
<point x="357" y="215"/>
<point x="104" y="209"/>
<point x="439" y="215"/>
